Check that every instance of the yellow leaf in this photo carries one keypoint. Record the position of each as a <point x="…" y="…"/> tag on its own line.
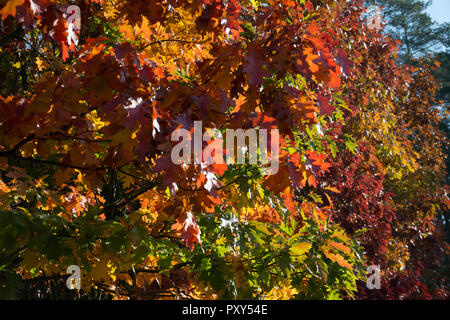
<point x="300" y="248"/>
<point x="254" y="4"/>
<point x="40" y="64"/>
<point x="341" y="236"/>
<point x="103" y="270"/>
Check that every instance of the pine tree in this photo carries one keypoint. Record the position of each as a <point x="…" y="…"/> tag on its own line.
<point x="408" y="21"/>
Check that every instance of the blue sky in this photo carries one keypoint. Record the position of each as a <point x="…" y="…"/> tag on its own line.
<point x="440" y="10"/>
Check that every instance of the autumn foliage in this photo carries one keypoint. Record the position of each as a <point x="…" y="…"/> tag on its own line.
<point x="85" y="142"/>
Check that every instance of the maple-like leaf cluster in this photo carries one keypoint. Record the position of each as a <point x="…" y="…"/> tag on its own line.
<point x="85" y="152"/>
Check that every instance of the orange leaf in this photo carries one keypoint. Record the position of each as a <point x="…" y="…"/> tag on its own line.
<point x="340" y="246"/>
<point x="332" y="189"/>
<point x="10" y="8"/>
<point x="338" y="258"/>
<point x="191" y="234"/>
